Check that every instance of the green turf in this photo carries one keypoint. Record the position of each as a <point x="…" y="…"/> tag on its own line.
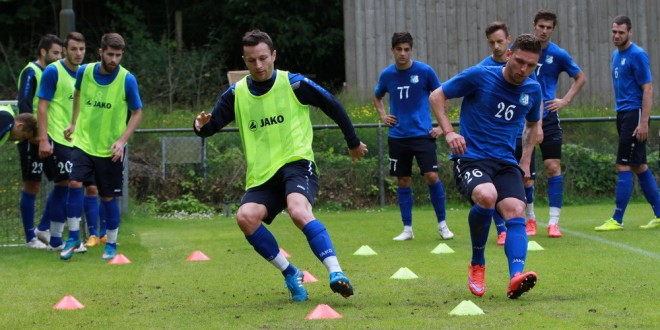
<point x="586" y="279"/>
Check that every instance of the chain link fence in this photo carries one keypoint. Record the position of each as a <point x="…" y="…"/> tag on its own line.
<point x="167" y="165"/>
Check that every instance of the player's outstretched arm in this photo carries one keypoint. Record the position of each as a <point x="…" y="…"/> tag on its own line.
<point x="358" y="152"/>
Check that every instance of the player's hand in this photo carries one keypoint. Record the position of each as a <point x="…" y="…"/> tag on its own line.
<point x="456" y="143"/>
<point x="117" y="151"/>
<point x="555" y="105"/>
<point x="526" y="172"/>
<point x="202" y="119"/>
<point x="539" y="134"/>
<point x="68" y="132"/>
<point x="389" y="120"/>
<point x="435" y="132"/>
<point x="45" y="149"/>
<point x="357" y="152"/>
<point x="641" y="132"/>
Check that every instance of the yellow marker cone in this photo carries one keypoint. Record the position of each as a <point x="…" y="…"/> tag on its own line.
<point x="466" y="307"/>
<point x="404" y="274"/>
<point x="365" y="250"/>
<point x="533" y="246"/>
<point x="442" y="248"/>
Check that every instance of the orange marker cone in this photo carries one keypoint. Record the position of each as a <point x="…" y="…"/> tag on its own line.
<point x="119" y="260"/>
<point x="68" y="302"/>
<point x="284" y="253"/>
<point x="198" y="256"/>
<point x="323" y="311"/>
<point x="308" y="278"/>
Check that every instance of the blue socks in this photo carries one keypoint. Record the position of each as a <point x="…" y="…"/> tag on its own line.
<point x="529" y="194"/>
<point x="319" y="240"/>
<point x="27" y="214"/>
<point x="437" y="194"/>
<point x="515" y="246"/>
<point x="555" y="191"/>
<point x="650" y="190"/>
<point x="499" y="223"/>
<point x="91" y="207"/>
<point x="479" y="221"/>
<point x="624" y="188"/>
<point x="405" y="197"/>
<point x="102" y="219"/>
<point x="263" y="241"/>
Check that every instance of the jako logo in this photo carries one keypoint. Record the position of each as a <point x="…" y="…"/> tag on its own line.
<point x="98" y="104"/>
<point x="265" y="122"/>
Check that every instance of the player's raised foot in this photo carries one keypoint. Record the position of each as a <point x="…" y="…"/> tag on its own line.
<point x="530" y="227"/>
<point x="35" y="243"/>
<point x="404" y="236"/>
<point x="71" y="245"/>
<point x="501" y="238"/>
<point x="444" y="231"/>
<point x="339" y="283"/>
<point x="553" y="231"/>
<point x="109" y="253"/>
<point x="92" y="241"/>
<point x="294" y="284"/>
<point x="521" y="283"/>
<point x="654" y="223"/>
<point x="609" y="225"/>
<point x="477" y="279"/>
<point x="43" y="236"/>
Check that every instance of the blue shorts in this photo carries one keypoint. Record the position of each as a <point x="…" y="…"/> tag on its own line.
<point x="295" y="177"/>
<point x="108" y="175"/>
<point x="532" y="164"/>
<point x="507" y="177"/>
<point x="631" y="152"/>
<point x="402" y="152"/>
<point x="552" y="137"/>
<point x="31" y="165"/>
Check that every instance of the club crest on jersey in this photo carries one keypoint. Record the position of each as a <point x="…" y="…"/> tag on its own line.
<point x="623" y="61"/>
<point x="414" y="79"/>
<point x="549" y="59"/>
<point x="524" y="99"/>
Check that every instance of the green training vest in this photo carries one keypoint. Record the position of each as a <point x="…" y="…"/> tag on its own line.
<point x="275" y="129"/>
<point x="60" y="107"/>
<point x="37" y="74"/>
<point x="103" y="113"/>
<point x="5" y="137"/>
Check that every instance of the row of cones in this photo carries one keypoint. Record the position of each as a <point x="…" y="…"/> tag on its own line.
<point x="365" y="250"/>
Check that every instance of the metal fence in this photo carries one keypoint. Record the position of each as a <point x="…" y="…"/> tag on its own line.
<point x="166" y="163"/>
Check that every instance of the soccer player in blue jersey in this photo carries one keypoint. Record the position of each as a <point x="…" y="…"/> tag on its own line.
<point x="32" y="167"/>
<point x="633" y="96"/>
<point x="496" y="102"/>
<point x="554" y="60"/>
<point x="107" y="109"/>
<point x="411" y="134"/>
<point x="54" y="112"/>
<point x="271" y="110"/>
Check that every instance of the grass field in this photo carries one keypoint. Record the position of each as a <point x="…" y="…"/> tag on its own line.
<point x="586" y="279"/>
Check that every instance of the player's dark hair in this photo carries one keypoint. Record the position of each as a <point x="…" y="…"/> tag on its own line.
<point x="29" y="122"/>
<point x="546" y="14"/>
<point x="402" y="38"/>
<point x="527" y="42"/>
<point x="255" y="37"/>
<point x="76" y="36"/>
<point x="112" y="40"/>
<point x="621" y="19"/>
<point x="495" y="26"/>
<point x="47" y="42"/>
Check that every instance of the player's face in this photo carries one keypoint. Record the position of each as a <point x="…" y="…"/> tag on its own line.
<point x="543" y="29"/>
<point x="401" y="54"/>
<point x="260" y="61"/>
<point x="18" y="134"/>
<point x="620" y="35"/>
<point x="74" y="53"/>
<point x="498" y="43"/>
<point x="520" y="64"/>
<point x="110" y="59"/>
<point x="53" y="54"/>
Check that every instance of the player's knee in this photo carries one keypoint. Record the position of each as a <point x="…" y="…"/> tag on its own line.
<point x="485" y="195"/>
<point x="248" y="219"/>
<point x="31" y="187"/>
<point x="404" y="181"/>
<point x="431" y="177"/>
<point x="552" y="167"/>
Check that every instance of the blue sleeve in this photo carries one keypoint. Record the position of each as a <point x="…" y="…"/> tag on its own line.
<point x="221" y="115"/>
<point x="48" y="83"/>
<point x="381" y="87"/>
<point x="132" y="93"/>
<point x="642" y="69"/>
<point x="27" y="89"/>
<point x="461" y="84"/>
<point x="571" y="68"/>
<point x="537" y="97"/>
<point x="433" y="80"/>
<point x="79" y="76"/>
<point x="6" y="123"/>
<point x="309" y="93"/>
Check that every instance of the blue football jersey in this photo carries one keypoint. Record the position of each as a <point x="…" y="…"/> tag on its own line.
<point x="553" y="61"/>
<point x="630" y="70"/>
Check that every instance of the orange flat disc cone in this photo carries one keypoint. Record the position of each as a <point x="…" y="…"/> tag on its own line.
<point x="308" y="277"/>
<point x="68" y="302"/>
<point x="118" y="260"/>
<point x="198" y="256"/>
<point x="323" y="311"/>
<point x="284" y="253"/>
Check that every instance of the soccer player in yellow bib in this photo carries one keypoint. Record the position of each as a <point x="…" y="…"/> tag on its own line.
<point x="106" y="111"/>
<point x="21" y="128"/>
<point x="271" y="110"/>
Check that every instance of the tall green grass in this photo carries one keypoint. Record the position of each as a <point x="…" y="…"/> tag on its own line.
<point x="586" y="279"/>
